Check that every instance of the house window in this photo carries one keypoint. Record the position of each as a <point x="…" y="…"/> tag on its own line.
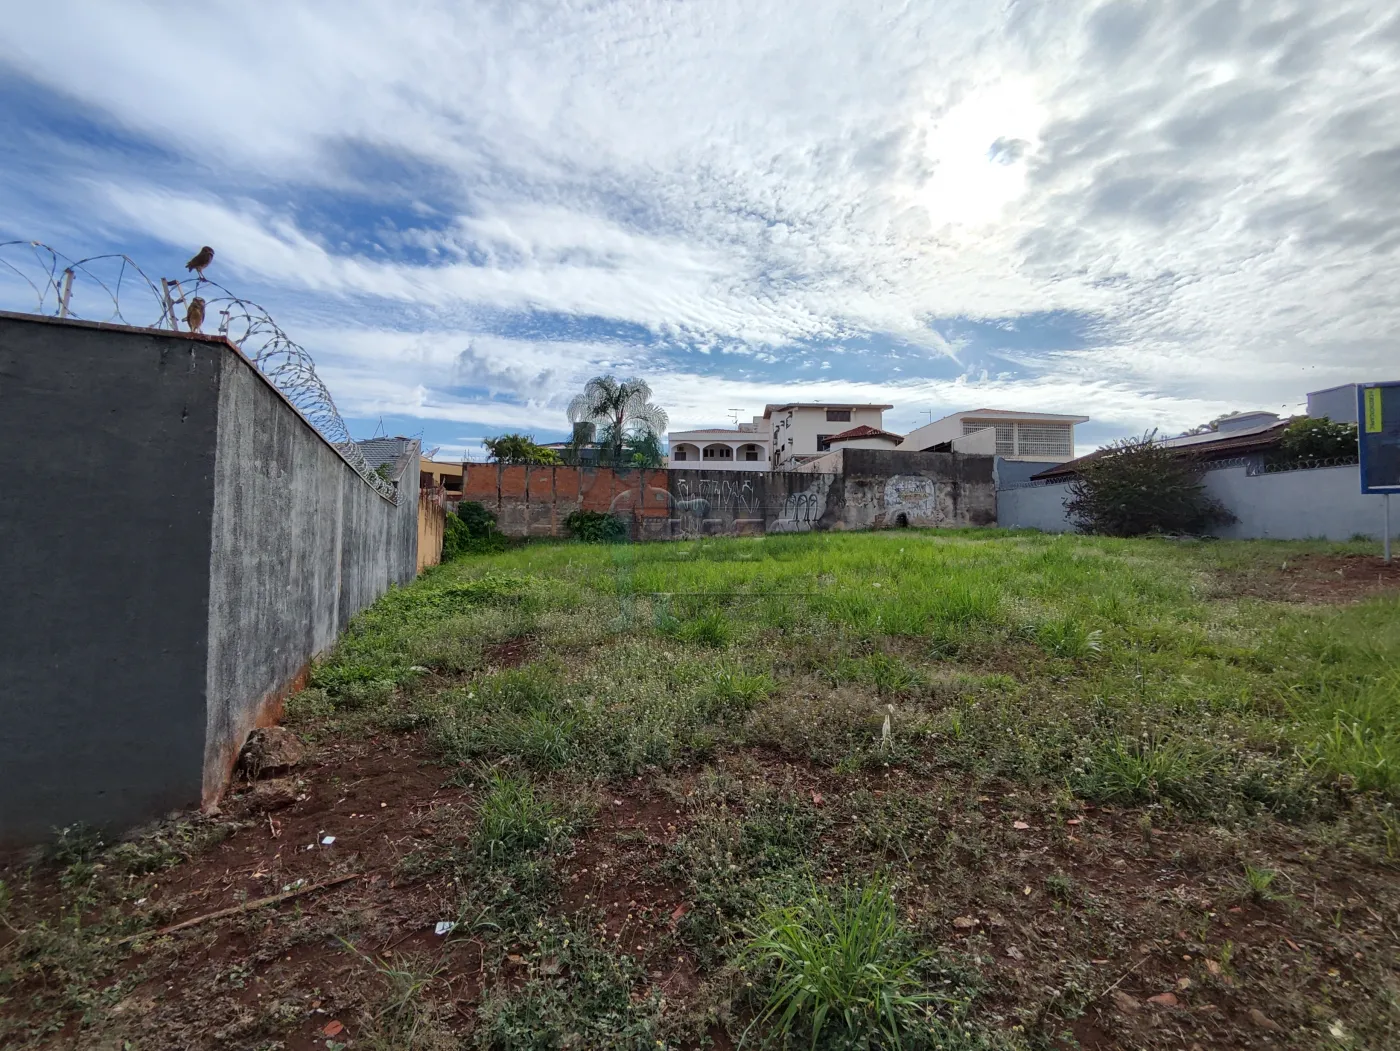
<point x="453" y="484"/>
<point x="824" y="443"/>
<point x="679" y="453"/>
<point x="1006" y="434"/>
<point x="838" y="415"/>
<point x="749" y="453"/>
<point x="1044" y="439"/>
<point x="718" y="452"/>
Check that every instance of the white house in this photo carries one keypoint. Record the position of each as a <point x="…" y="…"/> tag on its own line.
<point x="802" y="431"/>
<point x="1044" y="437"/>
<point x="742" y="448"/>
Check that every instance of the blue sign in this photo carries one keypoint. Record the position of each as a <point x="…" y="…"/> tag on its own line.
<point x="1378" y="431"/>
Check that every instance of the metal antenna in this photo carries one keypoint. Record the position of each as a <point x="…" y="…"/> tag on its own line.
<point x="734" y="417"/>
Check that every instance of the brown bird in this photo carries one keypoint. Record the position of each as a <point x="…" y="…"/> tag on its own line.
<point x="201" y="260"/>
<point x="194" y="313"/>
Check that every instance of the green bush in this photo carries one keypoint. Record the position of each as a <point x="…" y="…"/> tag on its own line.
<point x="471" y="529"/>
<point x="1137" y="486"/>
<point x="1316" y="439"/>
<point x="596" y="527"/>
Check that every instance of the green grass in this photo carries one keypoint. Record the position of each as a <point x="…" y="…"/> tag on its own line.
<point x="1112" y="664"/>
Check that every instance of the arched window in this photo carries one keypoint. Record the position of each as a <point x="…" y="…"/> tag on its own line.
<point x="750" y="453"/>
<point x="718" y="452"/>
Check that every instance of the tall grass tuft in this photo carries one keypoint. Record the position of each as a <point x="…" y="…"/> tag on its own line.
<point x="837" y="961"/>
<point x="512" y="820"/>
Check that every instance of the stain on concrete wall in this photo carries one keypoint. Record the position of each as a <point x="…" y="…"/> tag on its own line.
<point x="300" y="545"/>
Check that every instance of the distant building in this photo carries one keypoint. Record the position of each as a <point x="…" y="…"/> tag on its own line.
<point x="1337" y="404"/>
<point x="782" y="438"/>
<point x="441" y="474"/>
<point x="1046" y="437"/>
<point x="1244" y="434"/>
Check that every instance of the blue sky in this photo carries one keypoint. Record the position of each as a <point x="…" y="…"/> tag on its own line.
<point x="1148" y="213"/>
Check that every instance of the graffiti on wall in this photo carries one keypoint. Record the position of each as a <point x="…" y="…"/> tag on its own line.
<point x="721" y="495"/>
<point x="802" y="511"/>
<point x="913" y="496"/>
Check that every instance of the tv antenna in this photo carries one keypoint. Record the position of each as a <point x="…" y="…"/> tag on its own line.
<point x="929" y="414"/>
<point x="734" y="417"/>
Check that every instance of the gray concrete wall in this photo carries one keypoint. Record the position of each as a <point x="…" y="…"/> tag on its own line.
<point x="106" y="498"/>
<point x="300" y="545"/>
<point x="176" y="543"/>
<point x="1034" y="507"/>
<point x="1287" y="505"/>
<point x="884" y="488"/>
<point x="1297" y="505"/>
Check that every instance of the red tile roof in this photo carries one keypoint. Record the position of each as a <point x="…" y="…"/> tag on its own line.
<point x="865" y="431"/>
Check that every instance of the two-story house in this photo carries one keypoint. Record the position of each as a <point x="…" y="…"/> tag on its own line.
<point x="802" y="431"/>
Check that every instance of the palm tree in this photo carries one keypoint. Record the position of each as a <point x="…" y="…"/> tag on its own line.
<point x="622" y="409"/>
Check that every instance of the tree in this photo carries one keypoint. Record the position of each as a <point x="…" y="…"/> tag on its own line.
<point x="622" y="410"/>
<point x="1136" y="486"/>
<point x="521" y="449"/>
<point x="642" y="450"/>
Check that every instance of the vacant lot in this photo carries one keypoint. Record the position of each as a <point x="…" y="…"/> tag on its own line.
<point x="920" y="789"/>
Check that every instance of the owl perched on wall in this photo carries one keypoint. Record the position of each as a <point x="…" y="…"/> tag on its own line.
<point x="194" y="313"/>
<point x="202" y="258"/>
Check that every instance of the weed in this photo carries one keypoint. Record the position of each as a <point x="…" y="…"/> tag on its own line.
<point x="1058" y="885"/>
<point x="1069" y="638"/>
<point x="842" y="960"/>
<point x="1147" y="771"/>
<point x="76" y="844"/>
<point x="512" y="820"/>
<point x="1259" y="882"/>
<point x="708" y="629"/>
<point x="406" y="1019"/>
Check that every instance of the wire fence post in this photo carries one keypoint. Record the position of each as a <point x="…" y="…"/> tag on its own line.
<point x="65" y="293"/>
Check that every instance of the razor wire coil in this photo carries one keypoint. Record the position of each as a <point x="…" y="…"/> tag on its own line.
<point x="103" y="287"/>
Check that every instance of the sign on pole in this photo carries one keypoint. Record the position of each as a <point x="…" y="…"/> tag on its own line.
<point x="1378" y="416"/>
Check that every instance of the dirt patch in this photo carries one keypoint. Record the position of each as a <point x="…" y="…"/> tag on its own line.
<point x="512" y="653"/>
<point x="1314" y="579"/>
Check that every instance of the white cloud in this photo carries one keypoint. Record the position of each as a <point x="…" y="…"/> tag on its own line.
<point x="1218" y="184"/>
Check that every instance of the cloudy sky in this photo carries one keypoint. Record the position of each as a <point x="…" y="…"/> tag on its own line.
<point x="1148" y="212"/>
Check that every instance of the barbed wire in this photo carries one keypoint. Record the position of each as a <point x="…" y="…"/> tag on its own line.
<point x="104" y="287"/>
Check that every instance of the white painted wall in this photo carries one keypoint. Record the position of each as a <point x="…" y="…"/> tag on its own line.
<point x="1289" y="505"/>
<point x="978" y="443"/>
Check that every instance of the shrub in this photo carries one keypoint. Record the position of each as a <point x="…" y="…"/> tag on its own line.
<point x="596" y="527"/>
<point x="471" y="529"/>
<point x="1316" y="439"/>
<point x="1137" y="486"/>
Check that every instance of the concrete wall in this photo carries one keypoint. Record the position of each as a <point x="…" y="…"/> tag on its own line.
<point x="870" y="489"/>
<point x="1034" y="507"/>
<point x="176" y="543"/>
<point x="107" y="483"/>
<point x="1297" y="505"/>
<point x="300" y="544"/>
<point x="1287" y="505"/>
